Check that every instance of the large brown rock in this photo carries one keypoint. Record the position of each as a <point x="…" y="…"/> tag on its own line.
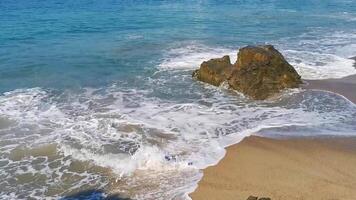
<point x="262" y="71"/>
<point x="259" y="72"/>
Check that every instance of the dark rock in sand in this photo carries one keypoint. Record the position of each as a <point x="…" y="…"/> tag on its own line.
<point x="215" y="71"/>
<point x="252" y="198"/>
<point x="259" y="72"/>
<point x="264" y="198"/>
<point x="354" y="58"/>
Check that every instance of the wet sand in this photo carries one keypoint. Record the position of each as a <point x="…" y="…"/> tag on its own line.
<point x="299" y="168"/>
<point x="343" y="86"/>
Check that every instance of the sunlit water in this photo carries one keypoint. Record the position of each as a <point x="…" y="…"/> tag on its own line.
<point x="99" y="94"/>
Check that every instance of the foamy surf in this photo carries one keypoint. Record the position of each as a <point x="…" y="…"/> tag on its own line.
<point x="125" y="135"/>
<point x="99" y="96"/>
<point x="117" y="139"/>
<point x="323" y="63"/>
<point x="312" y="65"/>
<point x="320" y="55"/>
<point x="188" y="56"/>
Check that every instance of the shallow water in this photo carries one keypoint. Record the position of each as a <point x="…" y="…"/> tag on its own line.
<point x="100" y="95"/>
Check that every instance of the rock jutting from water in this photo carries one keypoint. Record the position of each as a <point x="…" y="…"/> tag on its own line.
<point x="259" y="72"/>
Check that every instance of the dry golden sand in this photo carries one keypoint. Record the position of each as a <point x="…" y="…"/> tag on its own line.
<point x="318" y="168"/>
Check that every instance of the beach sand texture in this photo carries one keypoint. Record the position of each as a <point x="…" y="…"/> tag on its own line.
<point x="309" y="168"/>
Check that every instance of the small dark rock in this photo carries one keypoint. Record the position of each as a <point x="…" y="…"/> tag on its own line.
<point x="264" y="198"/>
<point x="252" y="198"/>
<point x="354" y="58"/>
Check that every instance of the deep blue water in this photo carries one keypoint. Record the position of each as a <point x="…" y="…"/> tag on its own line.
<point x="98" y="96"/>
<point x="61" y="44"/>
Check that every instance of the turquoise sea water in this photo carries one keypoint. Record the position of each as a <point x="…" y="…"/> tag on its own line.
<point x="99" y="94"/>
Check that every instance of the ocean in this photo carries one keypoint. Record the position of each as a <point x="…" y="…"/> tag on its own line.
<point x="98" y="96"/>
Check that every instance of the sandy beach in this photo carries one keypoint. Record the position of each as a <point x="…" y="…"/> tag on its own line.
<point x="303" y="168"/>
<point x="295" y="168"/>
<point x="137" y="100"/>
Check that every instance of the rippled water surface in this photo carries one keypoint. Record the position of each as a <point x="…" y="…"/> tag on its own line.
<point x="99" y="94"/>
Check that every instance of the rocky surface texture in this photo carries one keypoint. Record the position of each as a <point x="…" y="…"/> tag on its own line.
<point x="259" y="72"/>
<point x="215" y="71"/>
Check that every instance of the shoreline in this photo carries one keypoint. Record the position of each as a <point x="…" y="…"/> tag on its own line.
<point x="287" y="168"/>
<point x="345" y="87"/>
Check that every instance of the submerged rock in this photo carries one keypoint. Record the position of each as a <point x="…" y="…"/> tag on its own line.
<point x="259" y="72"/>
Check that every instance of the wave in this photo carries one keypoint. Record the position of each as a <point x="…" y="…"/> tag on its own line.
<point x="312" y="65"/>
<point x="157" y="138"/>
<point x="189" y="55"/>
<point x="131" y="133"/>
<point x="320" y="55"/>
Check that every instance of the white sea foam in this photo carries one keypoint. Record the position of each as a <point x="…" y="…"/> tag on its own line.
<point x="320" y="55"/>
<point x="143" y="138"/>
<point x="190" y="56"/>
<point x="312" y="65"/>
<point x="327" y="57"/>
<point x="135" y="135"/>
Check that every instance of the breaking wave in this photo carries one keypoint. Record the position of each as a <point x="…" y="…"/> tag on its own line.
<point x="129" y="133"/>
